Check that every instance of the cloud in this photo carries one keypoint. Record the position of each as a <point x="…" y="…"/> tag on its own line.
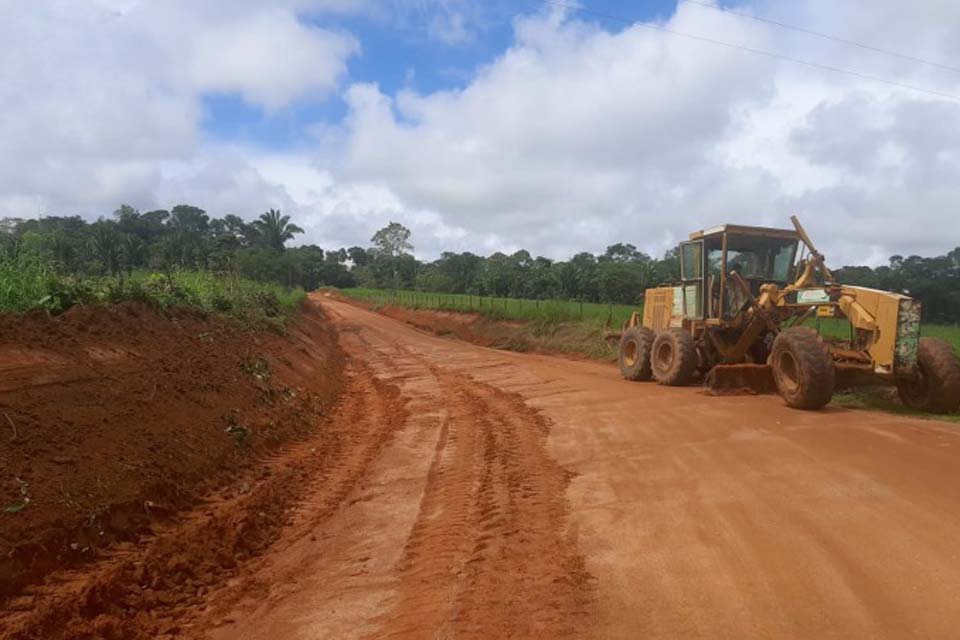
<point x="270" y="59"/>
<point x="576" y="136"/>
<point x="97" y="97"/>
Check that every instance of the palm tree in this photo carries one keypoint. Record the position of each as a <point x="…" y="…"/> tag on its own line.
<point x="274" y="229"/>
<point x="106" y="245"/>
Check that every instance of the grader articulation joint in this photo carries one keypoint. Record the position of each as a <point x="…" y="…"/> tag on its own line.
<point x="740" y="318"/>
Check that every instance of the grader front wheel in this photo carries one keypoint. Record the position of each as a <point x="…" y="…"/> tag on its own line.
<point x="802" y="368"/>
<point x="937" y="386"/>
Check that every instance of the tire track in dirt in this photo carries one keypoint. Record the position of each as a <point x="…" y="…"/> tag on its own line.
<point x="489" y="555"/>
<point x="458" y="529"/>
<point x="735" y="517"/>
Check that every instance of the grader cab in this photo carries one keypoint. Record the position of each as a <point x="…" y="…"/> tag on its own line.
<point x="743" y="316"/>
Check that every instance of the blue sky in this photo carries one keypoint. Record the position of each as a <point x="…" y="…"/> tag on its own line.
<point x="401" y="54"/>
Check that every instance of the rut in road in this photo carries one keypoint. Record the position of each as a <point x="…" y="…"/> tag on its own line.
<point x="458" y="528"/>
<point x="488" y="556"/>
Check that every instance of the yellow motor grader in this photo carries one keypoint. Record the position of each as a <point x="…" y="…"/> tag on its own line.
<point x="740" y="318"/>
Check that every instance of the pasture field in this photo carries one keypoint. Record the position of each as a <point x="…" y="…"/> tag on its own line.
<point x="501" y="308"/>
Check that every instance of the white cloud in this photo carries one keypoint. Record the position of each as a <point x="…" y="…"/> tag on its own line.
<point x="575" y="137"/>
<point x="270" y="58"/>
<point x="97" y="97"/>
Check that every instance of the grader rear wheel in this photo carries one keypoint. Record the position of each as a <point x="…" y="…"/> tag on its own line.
<point x="937" y="387"/>
<point x="674" y="357"/>
<point x="802" y="368"/>
<point x="634" y="353"/>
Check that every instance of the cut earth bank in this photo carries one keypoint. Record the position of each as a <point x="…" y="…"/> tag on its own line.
<point x="113" y="420"/>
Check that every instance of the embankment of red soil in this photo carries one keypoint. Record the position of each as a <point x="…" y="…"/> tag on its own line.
<point x="113" y="419"/>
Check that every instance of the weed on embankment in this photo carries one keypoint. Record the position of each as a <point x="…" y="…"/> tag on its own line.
<point x="30" y="285"/>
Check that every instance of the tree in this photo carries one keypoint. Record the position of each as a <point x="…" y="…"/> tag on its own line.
<point x="185" y="217"/>
<point x="621" y="252"/>
<point x="393" y="240"/>
<point x="274" y="229"/>
<point x="107" y="246"/>
<point x="462" y="271"/>
<point x="618" y="282"/>
<point x="359" y="256"/>
<point x="391" y="244"/>
<point x="133" y="251"/>
<point x="581" y="281"/>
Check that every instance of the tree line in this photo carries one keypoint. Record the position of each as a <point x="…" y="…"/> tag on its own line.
<point x="622" y="273"/>
<point x="183" y="237"/>
<point x="186" y="236"/>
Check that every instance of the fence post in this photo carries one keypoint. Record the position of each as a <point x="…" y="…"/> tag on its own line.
<point x="581" y="309"/>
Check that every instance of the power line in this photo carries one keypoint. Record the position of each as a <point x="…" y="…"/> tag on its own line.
<point x="825" y="36"/>
<point x="762" y="52"/>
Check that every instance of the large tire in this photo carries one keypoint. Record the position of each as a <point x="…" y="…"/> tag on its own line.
<point x="634" y="353"/>
<point x="937" y="388"/>
<point x="673" y="358"/>
<point x="802" y="368"/>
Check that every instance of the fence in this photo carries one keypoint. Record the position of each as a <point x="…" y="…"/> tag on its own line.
<point x="511" y="308"/>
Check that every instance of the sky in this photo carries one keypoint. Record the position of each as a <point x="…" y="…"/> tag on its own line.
<point x="556" y="126"/>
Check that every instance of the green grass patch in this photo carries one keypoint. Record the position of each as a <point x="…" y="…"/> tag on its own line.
<point x="543" y="311"/>
<point x="840" y="328"/>
<point x="885" y="399"/>
<point x="30" y="286"/>
<point x="24" y="283"/>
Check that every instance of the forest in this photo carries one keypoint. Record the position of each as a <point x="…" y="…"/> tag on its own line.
<point x="186" y="237"/>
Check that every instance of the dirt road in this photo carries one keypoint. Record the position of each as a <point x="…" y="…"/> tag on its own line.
<point x="462" y="492"/>
<point x="530" y="496"/>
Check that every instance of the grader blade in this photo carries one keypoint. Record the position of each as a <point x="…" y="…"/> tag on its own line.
<point x="740" y="379"/>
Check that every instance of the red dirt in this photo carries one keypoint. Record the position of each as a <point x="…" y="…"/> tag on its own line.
<point x="696" y="516"/>
<point x="463" y="492"/>
<point x="472" y="327"/>
<point x="112" y="420"/>
<point x="568" y="341"/>
<point x="458" y="527"/>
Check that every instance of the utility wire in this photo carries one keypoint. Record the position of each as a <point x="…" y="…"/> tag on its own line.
<point x="762" y="52"/>
<point x="825" y="36"/>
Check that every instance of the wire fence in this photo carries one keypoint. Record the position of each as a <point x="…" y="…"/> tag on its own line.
<point x="507" y="308"/>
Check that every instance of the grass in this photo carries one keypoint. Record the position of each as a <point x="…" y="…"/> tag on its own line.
<point x="23" y="284"/>
<point x="950" y="333"/>
<point x="840" y="328"/>
<point x="544" y="311"/>
<point x="29" y="286"/>
<point x="884" y="399"/>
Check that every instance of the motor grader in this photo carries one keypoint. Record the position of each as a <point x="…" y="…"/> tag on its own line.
<point x="740" y="318"/>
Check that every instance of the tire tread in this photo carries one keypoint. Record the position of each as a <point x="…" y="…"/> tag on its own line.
<point x="817" y="376"/>
<point x="644" y="337"/>
<point x="685" y="361"/>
